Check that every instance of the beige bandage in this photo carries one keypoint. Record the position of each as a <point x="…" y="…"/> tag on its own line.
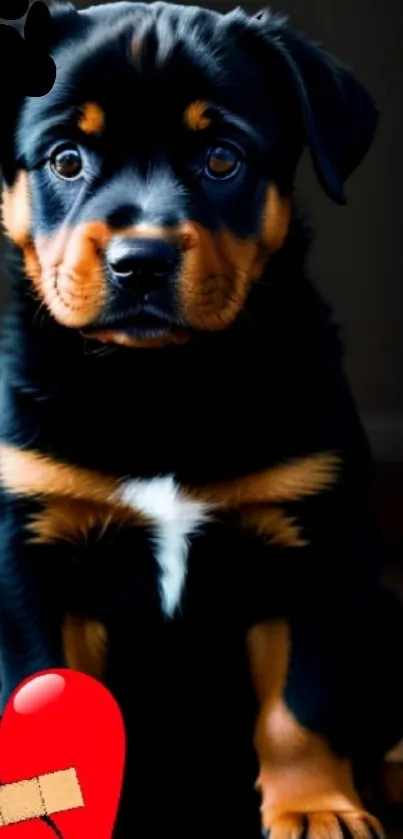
<point x="41" y="796"/>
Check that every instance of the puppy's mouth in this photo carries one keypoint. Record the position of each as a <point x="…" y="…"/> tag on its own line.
<point x="142" y="327"/>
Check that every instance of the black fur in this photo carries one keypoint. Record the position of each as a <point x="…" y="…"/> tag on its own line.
<point x="269" y="387"/>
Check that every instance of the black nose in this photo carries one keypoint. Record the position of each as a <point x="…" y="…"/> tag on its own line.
<point x="142" y="264"/>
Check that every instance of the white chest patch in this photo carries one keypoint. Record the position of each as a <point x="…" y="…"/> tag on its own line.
<point x="175" y="519"/>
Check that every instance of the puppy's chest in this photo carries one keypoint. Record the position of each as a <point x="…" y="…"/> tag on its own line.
<point x="140" y="526"/>
<point x="77" y="504"/>
<point x="174" y="519"/>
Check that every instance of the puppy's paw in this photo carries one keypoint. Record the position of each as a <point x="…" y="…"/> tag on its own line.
<point x="325" y="825"/>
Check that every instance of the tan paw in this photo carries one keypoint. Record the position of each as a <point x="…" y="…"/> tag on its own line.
<point x="325" y="825"/>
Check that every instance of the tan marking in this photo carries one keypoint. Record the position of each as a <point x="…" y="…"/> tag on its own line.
<point x="67" y="272"/>
<point x="216" y="276"/>
<point x="30" y="473"/>
<point x="85" y="644"/>
<point x="218" y="269"/>
<point x="16" y="210"/>
<point x="274" y="524"/>
<point x="67" y="520"/>
<point x="78" y="501"/>
<point x="322" y="825"/>
<point x="92" y="119"/>
<point x="276" y="219"/>
<point x="290" y="825"/>
<point x="362" y="825"/>
<point x="32" y="267"/>
<point x="196" y="115"/>
<point x="299" y="773"/>
<point x="109" y="336"/>
<point x="290" y="481"/>
<point x="67" y="269"/>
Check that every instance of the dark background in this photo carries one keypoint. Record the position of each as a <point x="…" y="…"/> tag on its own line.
<point x="358" y="256"/>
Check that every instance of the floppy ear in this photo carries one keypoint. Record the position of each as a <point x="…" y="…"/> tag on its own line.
<point x="339" y="116"/>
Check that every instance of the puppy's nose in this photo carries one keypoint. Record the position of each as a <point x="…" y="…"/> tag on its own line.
<point x="142" y="264"/>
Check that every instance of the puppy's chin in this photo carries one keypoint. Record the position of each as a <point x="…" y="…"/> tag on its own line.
<point x="140" y="328"/>
<point x="156" y="340"/>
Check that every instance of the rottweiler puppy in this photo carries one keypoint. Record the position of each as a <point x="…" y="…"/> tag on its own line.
<point x="185" y="480"/>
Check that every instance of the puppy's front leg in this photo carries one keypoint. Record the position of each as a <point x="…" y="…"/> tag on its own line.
<point x="304" y="784"/>
<point x="30" y="610"/>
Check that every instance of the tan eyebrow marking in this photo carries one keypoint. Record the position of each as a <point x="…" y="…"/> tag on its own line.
<point x="92" y="119"/>
<point x="196" y="115"/>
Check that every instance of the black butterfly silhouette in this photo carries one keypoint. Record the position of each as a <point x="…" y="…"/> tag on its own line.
<point x="25" y="62"/>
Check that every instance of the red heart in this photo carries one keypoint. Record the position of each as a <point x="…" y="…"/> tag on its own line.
<point x="59" y="720"/>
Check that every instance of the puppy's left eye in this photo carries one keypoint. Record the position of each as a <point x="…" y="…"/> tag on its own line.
<point x="222" y="162"/>
<point x="66" y="161"/>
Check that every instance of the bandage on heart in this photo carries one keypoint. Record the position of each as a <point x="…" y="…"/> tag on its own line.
<point x="55" y="792"/>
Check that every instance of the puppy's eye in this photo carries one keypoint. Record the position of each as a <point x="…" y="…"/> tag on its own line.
<point x="222" y="162"/>
<point x="66" y="161"/>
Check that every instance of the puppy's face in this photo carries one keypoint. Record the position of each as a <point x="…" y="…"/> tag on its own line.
<point x="152" y="185"/>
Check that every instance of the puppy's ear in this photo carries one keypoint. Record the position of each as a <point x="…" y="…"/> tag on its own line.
<point x="339" y="116"/>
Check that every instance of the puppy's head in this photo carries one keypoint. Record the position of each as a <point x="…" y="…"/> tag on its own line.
<point x="149" y="189"/>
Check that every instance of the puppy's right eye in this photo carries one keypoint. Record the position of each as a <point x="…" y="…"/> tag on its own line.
<point x="66" y="161"/>
<point x="222" y="162"/>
